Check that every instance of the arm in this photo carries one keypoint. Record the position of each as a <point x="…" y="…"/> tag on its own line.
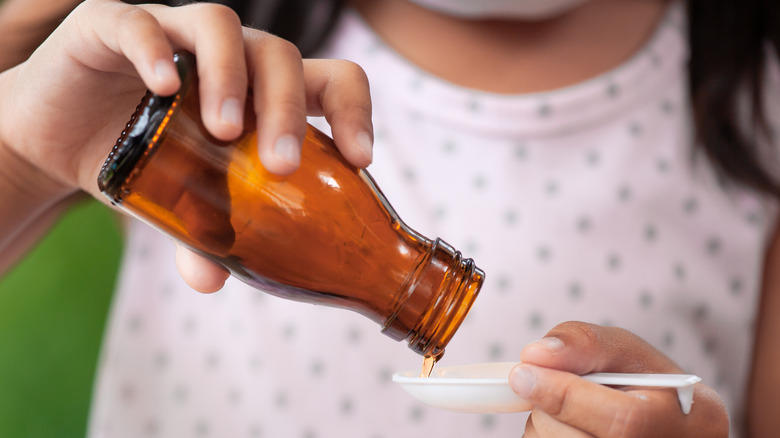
<point x="764" y="387"/>
<point x="25" y="24"/>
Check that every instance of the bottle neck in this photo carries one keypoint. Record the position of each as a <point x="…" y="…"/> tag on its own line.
<point x="436" y="300"/>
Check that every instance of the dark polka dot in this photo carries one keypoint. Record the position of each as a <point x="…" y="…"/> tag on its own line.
<point x="575" y="291"/>
<point x="593" y="158"/>
<point x="416" y="414"/>
<point x="317" y="368"/>
<point x="668" y="340"/>
<point x="354" y="335"/>
<point x="385" y="375"/>
<point x="521" y="152"/>
<point x="309" y="433"/>
<point x="440" y="212"/>
<point x="127" y="393"/>
<point x="504" y="283"/>
<point x="535" y="320"/>
<point x="711" y="345"/>
<point x="635" y="129"/>
<point x="544" y="110"/>
<point x="471" y="247"/>
<point x="607" y="322"/>
<point x="474" y="106"/>
<point x="212" y="360"/>
<point x="288" y="331"/>
<point x="234" y="396"/>
<point x="180" y="393"/>
<point x="690" y="205"/>
<point x="614" y="262"/>
<point x="713" y="246"/>
<point x="543" y="253"/>
<point x="449" y="147"/>
<point x="488" y="422"/>
<point x="651" y="233"/>
<point x="584" y="224"/>
<point x="736" y="286"/>
<point x="281" y="400"/>
<point x="135" y="324"/>
<point x="663" y="165"/>
<point x="495" y="351"/>
<point x="679" y="271"/>
<point x="151" y="428"/>
<point x="613" y="90"/>
<point x="655" y="60"/>
<point x="255" y="431"/>
<point x="551" y="188"/>
<point x="161" y="360"/>
<point x="190" y="325"/>
<point x="202" y="428"/>
<point x="667" y="107"/>
<point x="645" y="299"/>
<point x="480" y="182"/>
<point x="700" y="312"/>
<point x="347" y="406"/>
<point x="753" y="218"/>
<point x="624" y="194"/>
<point x="511" y="217"/>
<point x="409" y="174"/>
<point x="255" y="363"/>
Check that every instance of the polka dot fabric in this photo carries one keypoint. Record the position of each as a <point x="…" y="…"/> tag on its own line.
<point x="580" y="204"/>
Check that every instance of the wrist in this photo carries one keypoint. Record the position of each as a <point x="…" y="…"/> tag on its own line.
<point x="21" y="180"/>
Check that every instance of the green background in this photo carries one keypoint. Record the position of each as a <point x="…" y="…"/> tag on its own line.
<point x="53" y="308"/>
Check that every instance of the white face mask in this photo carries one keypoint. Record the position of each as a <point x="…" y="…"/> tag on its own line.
<point x="514" y="9"/>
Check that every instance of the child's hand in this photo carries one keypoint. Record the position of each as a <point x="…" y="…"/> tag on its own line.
<point x="566" y="405"/>
<point x="62" y="110"/>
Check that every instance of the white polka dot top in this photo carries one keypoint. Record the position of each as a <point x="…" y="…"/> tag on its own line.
<point x="580" y="204"/>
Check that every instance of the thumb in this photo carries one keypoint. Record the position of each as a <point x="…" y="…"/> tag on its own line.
<point x="582" y="348"/>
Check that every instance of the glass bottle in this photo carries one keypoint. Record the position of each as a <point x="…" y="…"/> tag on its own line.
<point x="324" y="234"/>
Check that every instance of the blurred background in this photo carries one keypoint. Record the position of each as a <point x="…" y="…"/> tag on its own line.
<point x="53" y="308"/>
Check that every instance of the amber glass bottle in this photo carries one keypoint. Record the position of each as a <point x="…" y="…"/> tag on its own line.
<point x="323" y="235"/>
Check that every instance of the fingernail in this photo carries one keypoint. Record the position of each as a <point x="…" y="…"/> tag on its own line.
<point x="522" y="380"/>
<point x="230" y="112"/>
<point x="287" y="148"/>
<point x="164" y="70"/>
<point x="366" y="144"/>
<point x="551" y="344"/>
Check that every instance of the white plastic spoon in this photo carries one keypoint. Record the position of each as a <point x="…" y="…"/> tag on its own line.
<point x="484" y="388"/>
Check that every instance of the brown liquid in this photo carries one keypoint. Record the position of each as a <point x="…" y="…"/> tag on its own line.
<point x="323" y="235"/>
<point x="428" y="363"/>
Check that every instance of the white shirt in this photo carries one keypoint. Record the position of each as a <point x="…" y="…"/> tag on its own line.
<point x="580" y="204"/>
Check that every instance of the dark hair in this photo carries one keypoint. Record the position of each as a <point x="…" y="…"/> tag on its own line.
<point x="729" y="42"/>
<point x="306" y="23"/>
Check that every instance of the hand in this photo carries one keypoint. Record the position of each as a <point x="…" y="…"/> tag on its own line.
<point x="566" y="405"/>
<point x="62" y="110"/>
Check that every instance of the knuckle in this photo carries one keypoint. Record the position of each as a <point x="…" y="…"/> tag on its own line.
<point x="216" y="11"/>
<point x="350" y="71"/>
<point x="630" y="420"/>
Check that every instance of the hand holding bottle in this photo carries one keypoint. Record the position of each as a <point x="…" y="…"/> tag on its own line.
<point x="63" y="108"/>
<point x="566" y="405"/>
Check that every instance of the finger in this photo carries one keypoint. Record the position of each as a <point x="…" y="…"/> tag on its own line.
<point x="582" y="348"/>
<point x="198" y="272"/>
<point x="595" y="409"/>
<point x="214" y="34"/>
<point x="547" y="426"/>
<point x="279" y="100"/>
<point x="130" y="32"/>
<point x="339" y="90"/>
